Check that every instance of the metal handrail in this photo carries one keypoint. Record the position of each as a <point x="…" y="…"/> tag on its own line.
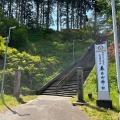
<point x="64" y="79"/>
<point x="103" y="38"/>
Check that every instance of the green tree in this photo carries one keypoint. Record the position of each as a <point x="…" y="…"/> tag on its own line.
<point x="19" y="38"/>
<point x="5" y="23"/>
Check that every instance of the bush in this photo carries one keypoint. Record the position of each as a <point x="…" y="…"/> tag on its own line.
<point x="5" y="23"/>
<point x="34" y="68"/>
<point x="19" y="39"/>
<point x="2" y="47"/>
<point x="24" y="89"/>
<point x="111" y="52"/>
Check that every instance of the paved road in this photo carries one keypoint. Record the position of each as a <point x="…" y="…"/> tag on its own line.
<point x="45" y="108"/>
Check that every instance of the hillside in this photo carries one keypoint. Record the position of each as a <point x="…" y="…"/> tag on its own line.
<point x="45" y="55"/>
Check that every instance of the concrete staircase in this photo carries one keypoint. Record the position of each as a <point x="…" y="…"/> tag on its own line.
<point x="65" y="83"/>
<point x="68" y="90"/>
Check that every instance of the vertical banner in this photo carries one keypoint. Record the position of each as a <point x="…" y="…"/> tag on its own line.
<point x="101" y="59"/>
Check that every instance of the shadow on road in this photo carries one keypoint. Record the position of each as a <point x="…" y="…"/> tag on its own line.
<point x="15" y="112"/>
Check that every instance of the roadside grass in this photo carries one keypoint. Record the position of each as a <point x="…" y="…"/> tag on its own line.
<point x="11" y="101"/>
<point x="91" y="109"/>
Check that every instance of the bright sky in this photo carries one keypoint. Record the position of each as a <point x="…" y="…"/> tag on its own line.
<point x="55" y="27"/>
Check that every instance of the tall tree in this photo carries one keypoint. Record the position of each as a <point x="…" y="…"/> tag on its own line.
<point x="37" y="2"/>
<point x="58" y="14"/>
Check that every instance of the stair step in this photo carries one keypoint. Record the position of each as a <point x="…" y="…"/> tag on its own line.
<point x="67" y="84"/>
<point x="63" y="87"/>
<point x="70" y="89"/>
<point x="75" y="83"/>
<point x="60" y="94"/>
<point x="62" y="91"/>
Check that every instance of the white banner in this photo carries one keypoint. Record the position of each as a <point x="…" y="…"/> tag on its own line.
<point x="102" y="66"/>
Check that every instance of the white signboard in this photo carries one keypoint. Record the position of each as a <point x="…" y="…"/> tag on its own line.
<point x="102" y="66"/>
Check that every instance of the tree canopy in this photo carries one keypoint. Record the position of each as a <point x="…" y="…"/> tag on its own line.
<point x="42" y="13"/>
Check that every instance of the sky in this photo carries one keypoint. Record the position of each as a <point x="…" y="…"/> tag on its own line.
<point x="89" y="13"/>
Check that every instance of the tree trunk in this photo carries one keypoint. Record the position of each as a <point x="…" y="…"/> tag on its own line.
<point x="37" y="17"/>
<point x="81" y="16"/>
<point x="95" y="25"/>
<point x="21" y="16"/>
<point x="43" y="13"/>
<point x="48" y="13"/>
<point x="57" y="16"/>
<point x="77" y="19"/>
<point x="72" y="15"/>
<point x="17" y="11"/>
<point x="9" y="8"/>
<point x="84" y="12"/>
<point x="67" y="17"/>
<point x="60" y="16"/>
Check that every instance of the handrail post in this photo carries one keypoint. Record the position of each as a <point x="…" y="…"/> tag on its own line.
<point x="80" y="84"/>
<point x="80" y="100"/>
<point x="17" y="81"/>
<point x="56" y="89"/>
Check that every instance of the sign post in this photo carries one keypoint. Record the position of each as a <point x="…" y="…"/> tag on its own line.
<point x="102" y="76"/>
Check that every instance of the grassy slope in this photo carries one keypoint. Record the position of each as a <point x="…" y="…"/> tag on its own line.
<point x="55" y="50"/>
<point x="93" y="111"/>
<point x="10" y="101"/>
<point x="58" y="45"/>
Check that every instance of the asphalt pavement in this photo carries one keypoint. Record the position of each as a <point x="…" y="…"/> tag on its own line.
<point x="44" y="108"/>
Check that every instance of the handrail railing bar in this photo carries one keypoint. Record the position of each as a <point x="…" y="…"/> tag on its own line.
<point x="72" y="69"/>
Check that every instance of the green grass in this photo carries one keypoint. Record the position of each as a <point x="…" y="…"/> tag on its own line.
<point x="11" y="101"/>
<point x="92" y="110"/>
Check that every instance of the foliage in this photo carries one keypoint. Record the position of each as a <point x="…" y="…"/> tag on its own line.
<point x="118" y="24"/>
<point x="5" y="23"/>
<point x="2" y="47"/>
<point x="24" y="89"/>
<point x="19" y="38"/>
<point x="40" y="14"/>
<point x="32" y="67"/>
<point x="111" y="52"/>
<point x="45" y="54"/>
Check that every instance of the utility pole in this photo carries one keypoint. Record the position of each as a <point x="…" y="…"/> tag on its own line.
<point x="116" y="46"/>
<point x="5" y="59"/>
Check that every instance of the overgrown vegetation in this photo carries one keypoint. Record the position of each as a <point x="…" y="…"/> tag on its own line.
<point x="42" y="58"/>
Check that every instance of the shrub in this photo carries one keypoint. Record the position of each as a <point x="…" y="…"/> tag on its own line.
<point x="24" y="89"/>
<point x="19" y="38"/>
<point x="111" y="52"/>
